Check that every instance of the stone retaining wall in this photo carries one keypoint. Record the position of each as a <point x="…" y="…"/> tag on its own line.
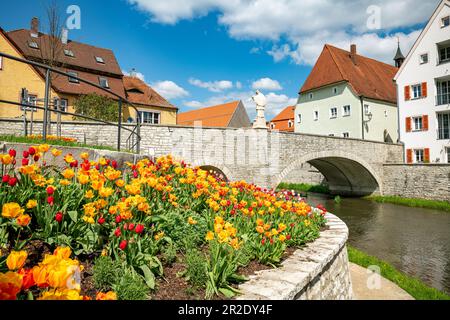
<point x="426" y="181"/>
<point x="319" y="271"/>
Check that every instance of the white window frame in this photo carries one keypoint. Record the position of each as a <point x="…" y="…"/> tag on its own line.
<point x="447" y="55"/>
<point x="33" y="45"/>
<point x="64" y="106"/>
<point x="333" y="115"/>
<point x="346" y="135"/>
<point x="32" y="101"/>
<point x="346" y="114"/>
<point x="69" y="53"/>
<point x="421" y="61"/>
<point x="299" y="118"/>
<point x="415" y="127"/>
<point x="366" y="109"/>
<point x="420" y="91"/>
<point x="100" y="79"/>
<point x="74" y="74"/>
<point x="99" y="59"/>
<point x="290" y="123"/>
<point x="151" y="115"/>
<point x="316" y="115"/>
<point x="443" y="19"/>
<point x="419" y="153"/>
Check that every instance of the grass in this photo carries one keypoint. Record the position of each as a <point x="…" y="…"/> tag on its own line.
<point x="32" y="140"/>
<point x="410" y="202"/>
<point x="413" y="286"/>
<point x="304" y="187"/>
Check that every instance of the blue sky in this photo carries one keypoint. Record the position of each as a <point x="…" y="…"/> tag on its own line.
<point x="204" y="52"/>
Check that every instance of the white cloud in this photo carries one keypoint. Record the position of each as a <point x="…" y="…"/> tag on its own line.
<point x="169" y="89"/>
<point x="275" y="102"/>
<point x="300" y="22"/>
<point x="213" y="86"/>
<point x="138" y="75"/>
<point x="267" y="84"/>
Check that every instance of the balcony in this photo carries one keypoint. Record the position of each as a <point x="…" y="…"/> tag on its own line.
<point x="442" y="99"/>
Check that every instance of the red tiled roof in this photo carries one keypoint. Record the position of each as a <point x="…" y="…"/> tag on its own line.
<point x="138" y="92"/>
<point x="281" y="121"/>
<point x="286" y="114"/>
<point x="216" y="116"/>
<point x="369" y="78"/>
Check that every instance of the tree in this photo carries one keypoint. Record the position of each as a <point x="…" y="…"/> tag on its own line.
<point x="97" y="106"/>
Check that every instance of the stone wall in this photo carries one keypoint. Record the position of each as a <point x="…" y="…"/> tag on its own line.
<point x="427" y="181"/>
<point x="305" y="174"/>
<point x="319" y="271"/>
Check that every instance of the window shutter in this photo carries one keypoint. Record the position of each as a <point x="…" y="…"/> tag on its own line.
<point x="408" y="124"/>
<point x="407" y="93"/>
<point x="425" y="123"/>
<point x="409" y="156"/>
<point x="427" y="155"/>
<point x="424" y="90"/>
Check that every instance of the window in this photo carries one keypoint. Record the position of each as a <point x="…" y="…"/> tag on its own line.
<point x="331" y="135"/>
<point x="272" y="126"/>
<point x="448" y="154"/>
<point x="311" y="96"/>
<point x="346" y="110"/>
<point x="443" y="96"/>
<point x="316" y="115"/>
<point x="290" y="124"/>
<point x="32" y="101"/>
<point x="423" y="58"/>
<point x="445" y="22"/>
<point x="1" y="63"/>
<point x="103" y="82"/>
<point x="299" y="118"/>
<point x="335" y="90"/>
<point x="33" y="44"/>
<point x="366" y="109"/>
<point x="73" y="74"/>
<point x="63" y="105"/>
<point x="149" y="117"/>
<point x="333" y="113"/>
<point x="443" y="126"/>
<point x="69" y="53"/>
<point x="100" y="60"/>
<point x="417" y="123"/>
<point x="346" y="135"/>
<point x="419" y="156"/>
<point x="444" y="54"/>
<point x="417" y="91"/>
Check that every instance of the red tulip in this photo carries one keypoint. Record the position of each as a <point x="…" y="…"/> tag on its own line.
<point x="263" y="241"/>
<point x="118" y="219"/>
<point x="101" y="220"/>
<point x="50" y="200"/>
<point x="125" y="227"/>
<point x="25" y="154"/>
<point x="58" y="216"/>
<point x="74" y="164"/>
<point x="25" y="161"/>
<point x="135" y="174"/>
<point x="36" y="158"/>
<point x="288" y="237"/>
<point x="28" y="279"/>
<point x="139" y="228"/>
<point x="12" y="153"/>
<point x="131" y="226"/>
<point x="114" y="164"/>
<point x="12" y="182"/>
<point x="5" y="178"/>
<point x="123" y="244"/>
<point x="118" y="233"/>
<point x="97" y="167"/>
<point x="50" y="191"/>
<point x="32" y="151"/>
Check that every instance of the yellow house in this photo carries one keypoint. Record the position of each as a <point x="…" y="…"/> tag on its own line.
<point x="152" y="107"/>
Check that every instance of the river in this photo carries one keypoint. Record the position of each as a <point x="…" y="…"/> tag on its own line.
<point x="416" y="241"/>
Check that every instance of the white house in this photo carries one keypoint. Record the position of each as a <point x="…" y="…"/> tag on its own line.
<point x="423" y="86"/>
<point x="350" y="96"/>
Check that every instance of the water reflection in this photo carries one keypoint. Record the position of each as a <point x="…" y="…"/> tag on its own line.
<point x="414" y="240"/>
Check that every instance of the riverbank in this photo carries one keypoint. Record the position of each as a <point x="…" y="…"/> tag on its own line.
<point x="413" y="286"/>
<point x="410" y="202"/>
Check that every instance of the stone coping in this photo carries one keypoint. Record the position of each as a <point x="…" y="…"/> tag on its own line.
<point x="302" y="268"/>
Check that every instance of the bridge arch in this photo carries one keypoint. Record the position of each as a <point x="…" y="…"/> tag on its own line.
<point x="347" y="174"/>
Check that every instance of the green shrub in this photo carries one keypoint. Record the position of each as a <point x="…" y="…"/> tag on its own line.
<point x="131" y="286"/>
<point x="106" y="273"/>
<point x="196" y="268"/>
<point x="169" y="255"/>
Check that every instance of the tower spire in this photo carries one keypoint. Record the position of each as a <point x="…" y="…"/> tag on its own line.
<point x="399" y="57"/>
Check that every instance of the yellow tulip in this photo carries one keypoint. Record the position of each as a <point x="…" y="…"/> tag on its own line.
<point x="23" y="220"/>
<point x="31" y="204"/>
<point x="11" y="210"/>
<point x="16" y="260"/>
<point x="209" y="236"/>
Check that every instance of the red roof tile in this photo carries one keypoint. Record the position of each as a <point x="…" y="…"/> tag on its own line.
<point x="281" y="121"/>
<point x="138" y="92"/>
<point x="368" y="77"/>
<point x="216" y="116"/>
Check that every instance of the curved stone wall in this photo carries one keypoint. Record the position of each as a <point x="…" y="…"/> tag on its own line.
<point x="319" y="271"/>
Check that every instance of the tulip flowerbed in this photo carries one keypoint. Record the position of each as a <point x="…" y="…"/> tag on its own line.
<point x="96" y="231"/>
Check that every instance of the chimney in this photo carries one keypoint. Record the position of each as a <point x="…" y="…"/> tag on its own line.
<point x="64" y="36"/>
<point x="35" y="27"/>
<point x="353" y="53"/>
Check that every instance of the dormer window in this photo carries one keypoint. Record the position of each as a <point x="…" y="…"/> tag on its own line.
<point x="99" y="60"/>
<point x="69" y="53"/>
<point x="103" y="82"/>
<point x="33" y="44"/>
<point x="71" y="75"/>
<point x="445" y="22"/>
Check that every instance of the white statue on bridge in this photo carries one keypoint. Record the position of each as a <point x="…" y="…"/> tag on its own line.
<point x="261" y="102"/>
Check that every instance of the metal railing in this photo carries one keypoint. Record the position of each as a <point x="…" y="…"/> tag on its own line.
<point x="133" y="140"/>
<point x="442" y="99"/>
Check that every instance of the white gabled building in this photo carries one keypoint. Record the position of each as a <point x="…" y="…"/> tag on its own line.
<point x="423" y="89"/>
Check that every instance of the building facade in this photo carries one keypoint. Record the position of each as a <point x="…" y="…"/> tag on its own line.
<point x="423" y="85"/>
<point x="284" y="121"/>
<point x="350" y="96"/>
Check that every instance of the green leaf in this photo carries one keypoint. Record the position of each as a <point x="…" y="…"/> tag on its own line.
<point x="148" y="276"/>
<point x="227" y="292"/>
<point x="73" y="215"/>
